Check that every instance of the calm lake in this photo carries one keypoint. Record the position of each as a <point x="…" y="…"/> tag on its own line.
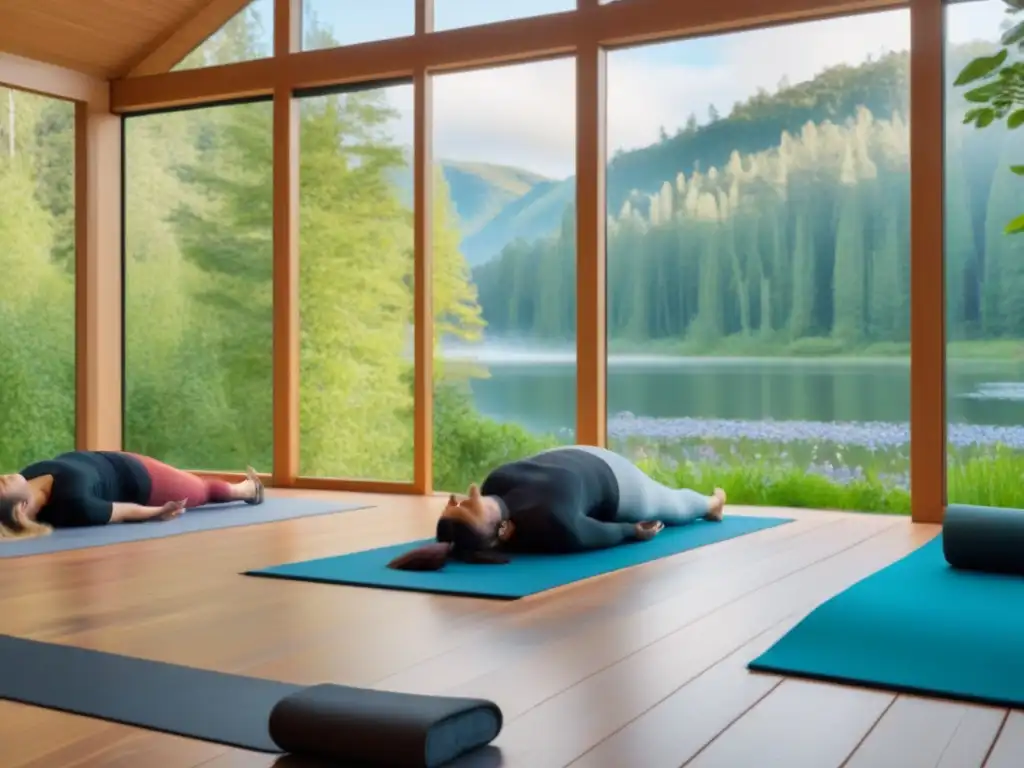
<point x="538" y="390"/>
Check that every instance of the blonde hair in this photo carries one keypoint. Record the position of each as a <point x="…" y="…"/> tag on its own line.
<point x="14" y="524"/>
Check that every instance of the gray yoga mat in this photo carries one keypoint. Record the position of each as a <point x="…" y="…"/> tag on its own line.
<point x="211" y="518"/>
<point x="986" y="539"/>
<point x="329" y="722"/>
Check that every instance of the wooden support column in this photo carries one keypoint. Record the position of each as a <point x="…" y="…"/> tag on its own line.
<point x="99" y="352"/>
<point x="287" y="38"/>
<point x="423" y="270"/>
<point x="591" y="159"/>
<point x="927" y="274"/>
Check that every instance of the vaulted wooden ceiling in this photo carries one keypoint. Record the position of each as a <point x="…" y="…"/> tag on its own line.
<point x="104" y="38"/>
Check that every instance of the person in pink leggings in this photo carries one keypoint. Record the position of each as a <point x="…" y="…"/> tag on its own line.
<point x="86" y="488"/>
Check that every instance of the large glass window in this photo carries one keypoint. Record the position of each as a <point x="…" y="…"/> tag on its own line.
<point x="199" y="286"/>
<point x="758" y="262"/>
<point x="452" y="14"/>
<point x="333" y="23"/>
<point x="504" y="266"/>
<point x="37" y="264"/>
<point x="249" y="35"/>
<point x="984" y="302"/>
<point x="356" y="285"/>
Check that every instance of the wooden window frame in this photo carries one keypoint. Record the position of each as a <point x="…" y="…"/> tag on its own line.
<point x="585" y="33"/>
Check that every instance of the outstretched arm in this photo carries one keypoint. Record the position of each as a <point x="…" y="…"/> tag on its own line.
<point x="588" y="533"/>
<point x="123" y="512"/>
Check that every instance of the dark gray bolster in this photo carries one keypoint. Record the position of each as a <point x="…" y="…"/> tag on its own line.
<point x="378" y="728"/>
<point x="989" y="539"/>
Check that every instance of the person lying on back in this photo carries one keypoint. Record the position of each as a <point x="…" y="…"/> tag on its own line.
<point x="564" y="500"/>
<point x="91" y="488"/>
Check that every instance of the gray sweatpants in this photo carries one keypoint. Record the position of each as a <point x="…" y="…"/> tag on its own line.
<point x="642" y="498"/>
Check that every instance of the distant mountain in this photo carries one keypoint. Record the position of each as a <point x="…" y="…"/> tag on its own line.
<point x="536" y="214"/>
<point x="479" y="191"/>
<point x="498" y="204"/>
<point x="753" y="126"/>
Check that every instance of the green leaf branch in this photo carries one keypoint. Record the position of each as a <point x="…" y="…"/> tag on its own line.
<point x="997" y="88"/>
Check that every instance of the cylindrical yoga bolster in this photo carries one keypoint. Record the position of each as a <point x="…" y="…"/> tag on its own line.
<point x="371" y="727"/>
<point x="989" y="539"/>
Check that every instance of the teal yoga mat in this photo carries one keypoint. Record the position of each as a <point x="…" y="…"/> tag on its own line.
<point x="916" y="626"/>
<point x="525" y="575"/>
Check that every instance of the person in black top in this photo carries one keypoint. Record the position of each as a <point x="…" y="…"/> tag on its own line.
<point x="84" y="488"/>
<point x="564" y="500"/>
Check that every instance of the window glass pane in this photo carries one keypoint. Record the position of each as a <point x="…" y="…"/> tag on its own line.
<point x="504" y="267"/>
<point x="356" y="285"/>
<point x="758" y="262"/>
<point x="452" y="14"/>
<point x="37" y="264"/>
<point x="199" y="287"/>
<point x="985" y="311"/>
<point x="333" y="23"/>
<point x="247" y="37"/>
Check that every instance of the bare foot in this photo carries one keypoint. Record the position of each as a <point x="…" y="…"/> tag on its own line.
<point x="255" y="487"/>
<point x="716" y="506"/>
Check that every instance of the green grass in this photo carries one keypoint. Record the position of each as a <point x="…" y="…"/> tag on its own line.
<point x="992" y="478"/>
<point x="988" y="477"/>
<point x="780" y="485"/>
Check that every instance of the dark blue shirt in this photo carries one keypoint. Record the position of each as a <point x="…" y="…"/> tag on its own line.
<point x="86" y="484"/>
<point x="560" y="501"/>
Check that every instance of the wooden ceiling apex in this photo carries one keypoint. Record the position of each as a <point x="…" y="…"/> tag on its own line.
<point x="110" y="38"/>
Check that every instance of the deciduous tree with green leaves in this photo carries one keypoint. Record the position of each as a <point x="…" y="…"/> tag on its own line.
<point x="1001" y="92"/>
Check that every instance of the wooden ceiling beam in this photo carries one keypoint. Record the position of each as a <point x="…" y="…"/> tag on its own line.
<point x="507" y="42"/>
<point x="51" y="80"/>
<point x="164" y="53"/>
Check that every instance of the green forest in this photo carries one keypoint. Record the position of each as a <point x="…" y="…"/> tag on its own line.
<point x="785" y="220"/>
<point x="799" y="242"/>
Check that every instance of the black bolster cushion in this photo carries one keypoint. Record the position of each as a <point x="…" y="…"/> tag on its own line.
<point x="989" y="539"/>
<point x="370" y="727"/>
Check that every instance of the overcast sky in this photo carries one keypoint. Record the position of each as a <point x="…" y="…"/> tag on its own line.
<point x="523" y="115"/>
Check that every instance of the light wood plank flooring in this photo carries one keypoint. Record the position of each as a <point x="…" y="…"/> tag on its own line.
<point x="644" y="667"/>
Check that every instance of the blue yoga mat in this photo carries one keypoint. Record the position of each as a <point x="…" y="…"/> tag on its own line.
<point x="524" y="575"/>
<point x="917" y="626"/>
<point x="273" y="510"/>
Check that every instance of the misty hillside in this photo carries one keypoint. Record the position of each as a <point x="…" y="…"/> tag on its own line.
<point x="754" y="126"/>
<point x="479" y="191"/>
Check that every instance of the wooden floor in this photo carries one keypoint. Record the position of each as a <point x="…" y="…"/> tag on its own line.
<point x="644" y="667"/>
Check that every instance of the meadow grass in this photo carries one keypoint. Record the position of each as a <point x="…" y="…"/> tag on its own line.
<point x="762" y="475"/>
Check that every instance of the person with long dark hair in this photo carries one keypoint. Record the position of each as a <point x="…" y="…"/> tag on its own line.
<point x="570" y="499"/>
<point x="88" y="488"/>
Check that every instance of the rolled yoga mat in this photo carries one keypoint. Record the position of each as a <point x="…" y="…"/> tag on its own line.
<point x="916" y="626"/>
<point x="524" y="575"/>
<point x="324" y="722"/>
<point x="211" y="518"/>
<point x="988" y="539"/>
